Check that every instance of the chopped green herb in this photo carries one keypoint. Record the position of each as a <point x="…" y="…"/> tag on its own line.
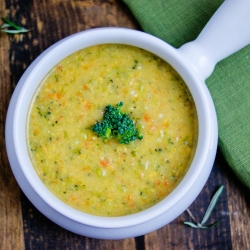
<point x="135" y="64"/>
<point x="158" y="150"/>
<point x="134" y="153"/>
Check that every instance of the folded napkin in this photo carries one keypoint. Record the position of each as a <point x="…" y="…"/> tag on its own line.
<point x="178" y="22"/>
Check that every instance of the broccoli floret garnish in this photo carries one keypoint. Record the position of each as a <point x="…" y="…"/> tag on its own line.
<point x="116" y="124"/>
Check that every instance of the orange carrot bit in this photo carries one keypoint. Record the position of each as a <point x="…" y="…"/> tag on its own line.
<point x="85" y="87"/>
<point x="101" y="74"/>
<point x="59" y="95"/>
<point x="147" y="118"/>
<point x="86" y="144"/>
<point x="135" y="75"/>
<point x="165" y="183"/>
<point x="36" y="132"/>
<point x="108" y="142"/>
<point x="131" y="203"/>
<point x="166" y="124"/>
<point x="129" y="198"/>
<point x="88" y="105"/>
<point x="59" y="117"/>
<point x="125" y="91"/>
<point x="152" y="128"/>
<point x="73" y="198"/>
<point x="86" y="67"/>
<point x="50" y="96"/>
<point x="80" y="116"/>
<point x="104" y="162"/>
<point x="59" y="67"/>
<point x="86" y="168"/>
<point x="157" y="183"/>
<point x="78" y="93"/>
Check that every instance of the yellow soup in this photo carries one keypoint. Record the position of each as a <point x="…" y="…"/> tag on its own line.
<point x="108" y="178"/>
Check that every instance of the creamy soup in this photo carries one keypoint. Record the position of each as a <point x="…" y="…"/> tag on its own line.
<point x="108" y="178"/>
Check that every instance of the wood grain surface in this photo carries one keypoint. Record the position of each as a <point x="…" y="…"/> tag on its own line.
<point x="22" y="226"/>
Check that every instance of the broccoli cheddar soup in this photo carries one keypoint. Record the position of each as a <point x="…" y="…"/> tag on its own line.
<point x="107" y="177"/>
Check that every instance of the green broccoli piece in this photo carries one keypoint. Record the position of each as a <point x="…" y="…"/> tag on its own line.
<point x="116" y="124"/>
<point x="102" y="129"/>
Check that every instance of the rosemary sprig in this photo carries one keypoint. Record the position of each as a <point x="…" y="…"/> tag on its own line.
<point x="11" y="28"/>
<point x="207" y="214"/>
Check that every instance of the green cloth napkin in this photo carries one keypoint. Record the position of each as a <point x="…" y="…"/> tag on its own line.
<point x="180" y="21"/>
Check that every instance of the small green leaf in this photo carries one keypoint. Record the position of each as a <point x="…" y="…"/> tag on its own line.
<point x="191" y="224"/>
<point x="12" y="24"/>
<point x="207" y="214"/>
<point x="212" y="205"/>
<point x="8" y="24"/>
<point x="199" y="226"/>
<point x="5" y="25"/>
<point x="214" y="224"/>
<point x="14" y="31"/>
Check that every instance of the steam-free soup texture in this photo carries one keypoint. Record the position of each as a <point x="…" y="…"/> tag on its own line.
<point x="108" y="178"/>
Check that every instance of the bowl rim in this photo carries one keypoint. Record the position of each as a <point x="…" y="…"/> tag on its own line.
<point x="207" y="137"/>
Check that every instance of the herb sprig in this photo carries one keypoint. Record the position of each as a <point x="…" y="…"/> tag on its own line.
<point x="207" y="214"/>
<point x="11" y="28"/>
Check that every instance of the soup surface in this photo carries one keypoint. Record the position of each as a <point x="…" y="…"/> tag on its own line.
<point x="108" y="178"/>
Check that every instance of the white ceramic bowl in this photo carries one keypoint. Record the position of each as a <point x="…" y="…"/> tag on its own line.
<point x="125" y="226"/>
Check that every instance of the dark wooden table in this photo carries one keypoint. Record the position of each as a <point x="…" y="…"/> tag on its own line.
<point x="21" y="225"/>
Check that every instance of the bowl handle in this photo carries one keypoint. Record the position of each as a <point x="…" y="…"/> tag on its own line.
<point x="226" y="32"/>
